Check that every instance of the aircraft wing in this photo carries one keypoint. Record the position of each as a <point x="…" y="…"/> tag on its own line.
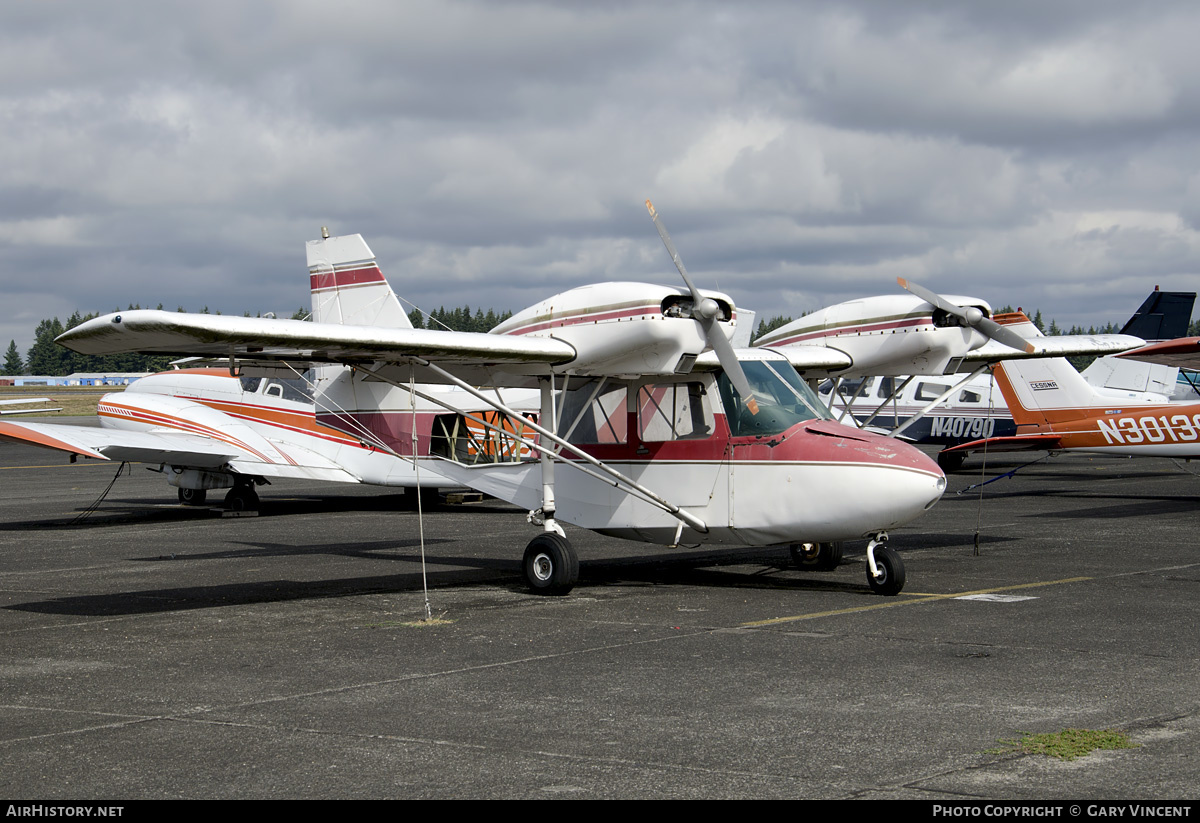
<point x="810" y="361"/>
<point x="1183" y="353"/>
<point x="1067" y="345"/>
<point x="174" y="333"/>
<point x="166" y="446"/>
<point x="1016" y="443"/>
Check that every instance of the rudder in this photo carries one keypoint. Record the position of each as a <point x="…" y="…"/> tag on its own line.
<point x="348" y="286"/>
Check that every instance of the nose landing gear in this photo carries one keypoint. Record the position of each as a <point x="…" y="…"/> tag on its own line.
<point x="885" y="569"/>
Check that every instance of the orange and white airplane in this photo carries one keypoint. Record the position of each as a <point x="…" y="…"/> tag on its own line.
<point x="1055" y="408"/>
<point x="217" y="428"/>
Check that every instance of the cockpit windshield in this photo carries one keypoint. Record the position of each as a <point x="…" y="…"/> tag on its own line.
<point x="783" y="399"/>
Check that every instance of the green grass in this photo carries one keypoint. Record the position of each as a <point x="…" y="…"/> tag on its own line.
<point x="74" y="400"/>
<point x="1069" y="744"/>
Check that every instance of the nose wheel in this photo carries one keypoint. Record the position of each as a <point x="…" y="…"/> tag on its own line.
<point x="550" y="565"/>
<point x="885" y="569"/>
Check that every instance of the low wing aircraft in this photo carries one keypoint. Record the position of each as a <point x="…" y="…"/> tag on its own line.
<point x="21" y="401"/>
<point x="1056" y="409"/>
<point x="210" y="428"/>
<point x="650" y="425"/>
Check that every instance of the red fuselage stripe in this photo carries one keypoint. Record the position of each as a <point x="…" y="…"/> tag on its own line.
<point x="860" y="328"/>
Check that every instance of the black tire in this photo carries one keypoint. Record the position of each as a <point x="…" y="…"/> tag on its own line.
<point x="891" y="572"/>
<point x="951" y="462"/>
<point x="550" y="565"/>
<point x="242" y="499"/>
<point x="192" y="497"/>
<point x="819" y="557"/>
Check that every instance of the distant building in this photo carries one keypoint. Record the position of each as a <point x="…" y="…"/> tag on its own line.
<point x="77" y="379"/>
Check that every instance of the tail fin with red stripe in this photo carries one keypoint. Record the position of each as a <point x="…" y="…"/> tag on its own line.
<point x="348" y="286"/>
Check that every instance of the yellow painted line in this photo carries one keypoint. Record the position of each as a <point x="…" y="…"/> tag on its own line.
<point x="916" y="599"/>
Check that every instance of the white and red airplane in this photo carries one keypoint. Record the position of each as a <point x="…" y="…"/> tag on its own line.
<point x="650" y="426"/>
<point x="902" y="337"/>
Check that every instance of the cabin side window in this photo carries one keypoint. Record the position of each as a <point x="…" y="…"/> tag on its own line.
<point x="673" y="411"/>
<point x="931" y="391"/>
<point x="594" y="412"/>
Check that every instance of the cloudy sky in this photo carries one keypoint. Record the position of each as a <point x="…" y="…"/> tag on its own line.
<point x="1032" y="153"/>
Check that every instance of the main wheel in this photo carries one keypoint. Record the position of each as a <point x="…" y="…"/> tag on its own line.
<point x="242" y="499"/>
<point x="192" y="497"/>
<point x="550" y="564"/>
<point x="951" y="462"/>
<point x="891" y="572"/>
<point x="821" y="557"/>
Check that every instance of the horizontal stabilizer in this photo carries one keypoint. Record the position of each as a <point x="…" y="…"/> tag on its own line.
<point x="135" y="447"/>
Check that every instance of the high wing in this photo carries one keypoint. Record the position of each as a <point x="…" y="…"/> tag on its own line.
<point x="1070" y="345"/>
<point x="1182" y="353"/>
<point x="810" y="361"/>
<point x="175" y="333"/>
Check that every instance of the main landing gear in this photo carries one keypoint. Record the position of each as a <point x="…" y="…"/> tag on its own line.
<point x="951" y="462"/>
<point x="192" y="497"/>
<point x="817" y="557"/>
<point x="550" y="565"/>
<point x="242" y="497"/>
<point x="885" y="569"/>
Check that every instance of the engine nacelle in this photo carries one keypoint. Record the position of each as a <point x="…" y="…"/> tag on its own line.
<point x="886" y="335"/>
<point x="623" y="328"/>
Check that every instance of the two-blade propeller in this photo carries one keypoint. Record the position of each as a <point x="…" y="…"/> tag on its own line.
<point x="970" y="316"/>
<point x="706" y="311"/>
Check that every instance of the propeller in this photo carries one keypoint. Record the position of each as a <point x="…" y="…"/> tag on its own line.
<point x="970" y="316"/>
<point x="705" y="311"/>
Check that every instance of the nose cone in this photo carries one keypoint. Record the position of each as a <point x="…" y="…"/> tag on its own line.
<point x="868" y="483"/>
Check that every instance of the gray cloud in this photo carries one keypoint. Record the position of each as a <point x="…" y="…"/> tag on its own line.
<point x="494" y="153"/>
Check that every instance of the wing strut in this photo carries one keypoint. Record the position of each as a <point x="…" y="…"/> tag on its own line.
<point x="941" y="397"/>
<point x="891" y="399"/>
<point x="614" y="475"/>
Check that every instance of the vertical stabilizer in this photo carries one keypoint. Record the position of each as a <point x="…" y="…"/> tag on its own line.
<point x="1164" y="315"/>
<point x="348" y="287"/>
<point x="1046" y="391"/>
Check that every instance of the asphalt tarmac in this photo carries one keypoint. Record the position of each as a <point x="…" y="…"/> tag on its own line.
<point x="156" y="651"/>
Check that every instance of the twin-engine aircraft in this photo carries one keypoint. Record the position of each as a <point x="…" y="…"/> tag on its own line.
<point x="921" y="334"/>
<point x="650" y="425"/>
